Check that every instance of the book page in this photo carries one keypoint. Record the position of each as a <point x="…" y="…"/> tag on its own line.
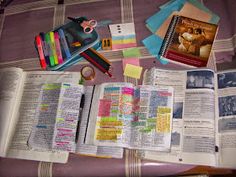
<point x="127" y="115"/>
<point x="226" y="118"/>
<point x="90" y="149"/>
<point x="32" y="86"/>
<point x="152" y="122"/>
<point x="193" y="116"/>
<point x="110" y="124"/>
<point x="11" y="80"/>
<point x="56" y="117"/>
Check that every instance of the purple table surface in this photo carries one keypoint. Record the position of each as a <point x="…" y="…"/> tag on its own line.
<point x="23" y="19"/>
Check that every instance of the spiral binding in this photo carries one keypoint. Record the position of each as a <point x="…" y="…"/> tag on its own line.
<point x="169" y="35"/>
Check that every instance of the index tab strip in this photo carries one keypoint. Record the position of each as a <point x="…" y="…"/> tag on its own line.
<point x="123" y="35"/>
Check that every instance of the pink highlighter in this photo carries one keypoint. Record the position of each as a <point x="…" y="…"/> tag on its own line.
<point x="58" y="47"/>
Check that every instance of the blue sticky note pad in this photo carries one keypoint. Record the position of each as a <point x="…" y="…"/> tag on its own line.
<point x="153" y="44"/>
<point x="155" y="21"/>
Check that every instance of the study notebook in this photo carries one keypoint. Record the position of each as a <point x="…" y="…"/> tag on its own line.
<point x="188" y="41"/>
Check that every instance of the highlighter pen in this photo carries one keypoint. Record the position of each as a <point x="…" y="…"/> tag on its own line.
<point x="51" y="57"/>
<point x="45" y="48"/>
<point x="53" y="47"/>
<point x="64" y="43"/>
<point x="40" y="51"/>
<point x="58" y="47"/>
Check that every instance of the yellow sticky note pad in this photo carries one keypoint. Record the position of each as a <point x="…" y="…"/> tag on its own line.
<point x="163" y="120"/>
<point x="133" y="71"/>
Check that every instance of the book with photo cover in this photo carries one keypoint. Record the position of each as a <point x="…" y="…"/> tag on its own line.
<point x="188" y="41"/>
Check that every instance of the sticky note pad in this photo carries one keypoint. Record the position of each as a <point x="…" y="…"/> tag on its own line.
<point x="131" y="52"/>
<point x="133" y="71"/>
<point x="122" y="29"/>
<point x="132" y="61"/>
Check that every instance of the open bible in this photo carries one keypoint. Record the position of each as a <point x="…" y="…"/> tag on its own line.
<point x="127" y="116"/>
<point x="45" y="115"/>
<point x="204" y="116"/>
<point x="19" y="99"/>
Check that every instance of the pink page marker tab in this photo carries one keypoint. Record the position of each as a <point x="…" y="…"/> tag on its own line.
<point x="132" y="61"/>
<point x="58" y="48"/>
<point x="104" y="108"/>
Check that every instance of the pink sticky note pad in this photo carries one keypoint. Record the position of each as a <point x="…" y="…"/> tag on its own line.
<point x="132" y="61"/>
<point x="104" y="108"/>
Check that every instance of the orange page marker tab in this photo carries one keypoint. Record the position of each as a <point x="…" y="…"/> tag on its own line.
<point x="40" y="51"/>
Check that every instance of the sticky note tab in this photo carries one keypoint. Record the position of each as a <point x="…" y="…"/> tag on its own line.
<point x="104" y="108"/>
<point x="131" y="52"/>
<point x="108" y="133"/>
<point x="163" y="120"/>
<point x="133" y="71"/>
<point x="132" y="61"/>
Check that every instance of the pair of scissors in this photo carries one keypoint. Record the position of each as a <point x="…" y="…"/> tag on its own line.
<point x="87" y="25"/>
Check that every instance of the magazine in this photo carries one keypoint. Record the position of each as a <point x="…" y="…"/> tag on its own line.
<point x="204" y="116"/>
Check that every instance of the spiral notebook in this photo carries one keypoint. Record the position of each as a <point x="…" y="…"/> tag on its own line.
<point x="188" y="41"/>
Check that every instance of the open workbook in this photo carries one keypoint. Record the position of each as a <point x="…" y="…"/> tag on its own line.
<point x="204" y="116"/>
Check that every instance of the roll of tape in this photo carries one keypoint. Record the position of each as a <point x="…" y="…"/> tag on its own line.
<point x="88" y="73"/>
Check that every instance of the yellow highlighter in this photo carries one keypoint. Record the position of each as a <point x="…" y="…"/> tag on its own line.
<point x="53" y="47"/>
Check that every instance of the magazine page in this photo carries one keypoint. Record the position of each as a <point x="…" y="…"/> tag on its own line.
<point x="32" y="86"/>
<point x="57" y="117"/>
<point x="193" y="116"/>
<point x="90" y="149"/>
<point x="11" y="80"/>
<point x="226" y="118"/>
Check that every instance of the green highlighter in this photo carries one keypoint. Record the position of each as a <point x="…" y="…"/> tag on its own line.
<point x="51" y="57"/>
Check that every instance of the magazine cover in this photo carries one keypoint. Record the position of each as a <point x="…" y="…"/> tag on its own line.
<point x="188" y="41"/>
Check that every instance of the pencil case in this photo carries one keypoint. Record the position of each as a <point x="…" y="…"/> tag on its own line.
<point x="61" y="48"/>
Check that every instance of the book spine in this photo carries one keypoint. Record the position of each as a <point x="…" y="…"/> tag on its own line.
<point x="169" y="35"/>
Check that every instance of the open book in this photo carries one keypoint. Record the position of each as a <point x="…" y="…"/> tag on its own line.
<point x="19" y="93"/>
<point x="204" y="116"/>
<point x="136" y="117"/>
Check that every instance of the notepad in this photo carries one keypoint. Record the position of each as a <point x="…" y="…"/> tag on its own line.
<point x="123" y="35"/>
